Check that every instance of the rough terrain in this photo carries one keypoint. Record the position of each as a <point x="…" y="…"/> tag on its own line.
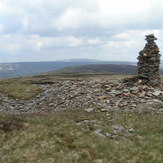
<point x="84" y="119"/>
<point x="100" y="94"/>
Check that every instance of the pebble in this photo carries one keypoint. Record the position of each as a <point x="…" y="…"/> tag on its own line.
<point x="131" y="130"/>
<point x="98" y="133"/>
<point x="157" y="93"/>
<point x="134" y="89"/>
<point x="108" y="135"/>
<point x="103" y="110"/>
<point x="88" y="110"/>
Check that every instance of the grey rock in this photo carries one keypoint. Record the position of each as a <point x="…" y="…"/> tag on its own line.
<point x="134" y="88"/>
<point x="98" y="133"/>
<point x="161" y="110"/>
<point x="108" y="101"/>
<point x="88" y="110"/>
<point x="125" y="90"/>
<point x="142" y="94"/>
<point x="51" y="104"/>
<point x="108" y="135"/>
<point x="157" y="93"/>
<point x="72" y="94"/>
<point x="79" y="124"/>
<point x="118" y="128"/>
<point x="131" y="130"/>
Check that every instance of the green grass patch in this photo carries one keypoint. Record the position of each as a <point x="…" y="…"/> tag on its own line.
<point x="20" y="90"/>
<point x="56" y="137"/>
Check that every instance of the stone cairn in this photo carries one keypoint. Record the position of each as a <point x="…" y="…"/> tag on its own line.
<point x="148" y="63"/>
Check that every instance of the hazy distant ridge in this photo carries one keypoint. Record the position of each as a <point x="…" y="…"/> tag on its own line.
<point x="8" y="70"/>
<point x="114" y="68"/>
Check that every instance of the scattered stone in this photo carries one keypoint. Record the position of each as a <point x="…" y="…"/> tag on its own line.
<point x="125" y="90"/>
<point x="142" y="94"/>
<point x="71" y="94"/>
<point x="118" y="129"/>
<point x="129" y="135"/>
<point x="108" y="101"/>
<point x="134" y="89"/>
<point x="78" y="124"/>
<point x="157" y="93"/>
<point x="51" y="104"/>
<point x="110" y="136"/>
<point x="98" y="133"/>
<point x="89" y="121"/>
<point x="131" y="130"/>
<point x="98" y="161"/>
<point x="161" y="110"/>
<point x="88" y="110"/>
<point x="133" y="105"/>
<point x="101" y="97"/>
<point x="103" y="110"/>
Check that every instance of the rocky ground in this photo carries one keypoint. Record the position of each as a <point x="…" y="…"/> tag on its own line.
<point x="91" y="95"/>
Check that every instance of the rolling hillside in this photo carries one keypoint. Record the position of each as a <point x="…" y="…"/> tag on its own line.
<point x="9" y="70"/>
<point x="122" y="69"/>
<point x="105" y="68"/>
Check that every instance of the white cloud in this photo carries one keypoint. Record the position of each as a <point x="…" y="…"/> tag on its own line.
<point x="3" y="7"/>
<point x="122" y="36"/>
<point x="110" y="29"/>
<point x="116" y="7"/>
<point x="11" y="48"/>
<point x="94" y="41"/>
<point x="11" y="43"/>
<point x="70" y="19"/>
<point x="1" y="28"/>
<point x="25" y="23"/>
<point x="34" y="3"/>
<point x="39" y="42"/>
<point x="105" y="14"/>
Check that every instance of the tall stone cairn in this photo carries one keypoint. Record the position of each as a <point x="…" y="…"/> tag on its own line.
<point x="149" y="62"/>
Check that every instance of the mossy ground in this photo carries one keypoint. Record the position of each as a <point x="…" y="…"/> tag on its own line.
<point x="20" y="91"/>
<point x="56" y="137"/>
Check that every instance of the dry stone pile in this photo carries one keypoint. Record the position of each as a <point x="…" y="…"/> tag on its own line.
<point x="99" y="95"/>
<point x="149" y="61"/>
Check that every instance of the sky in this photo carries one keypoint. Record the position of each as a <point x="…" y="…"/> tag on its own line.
<point x="50" y="30"/>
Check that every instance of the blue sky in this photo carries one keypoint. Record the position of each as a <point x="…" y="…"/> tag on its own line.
<point x="48" y="30"/>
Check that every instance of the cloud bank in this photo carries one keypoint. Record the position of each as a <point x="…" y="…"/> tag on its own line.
<point x="41" y="30"/>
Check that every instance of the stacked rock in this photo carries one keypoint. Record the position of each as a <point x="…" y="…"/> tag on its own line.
<point x="149" y="62"/>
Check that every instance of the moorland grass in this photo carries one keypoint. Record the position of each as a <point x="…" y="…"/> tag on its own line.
<point x="56" y="137"/>
<point x="20" y="90"/>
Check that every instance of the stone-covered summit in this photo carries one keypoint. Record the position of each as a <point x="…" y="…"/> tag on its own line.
<point x="149" y="62"/>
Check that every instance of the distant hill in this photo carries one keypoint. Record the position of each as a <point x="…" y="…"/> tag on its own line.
<point x="10" y="70"/>
<point x="114" y="68"/>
